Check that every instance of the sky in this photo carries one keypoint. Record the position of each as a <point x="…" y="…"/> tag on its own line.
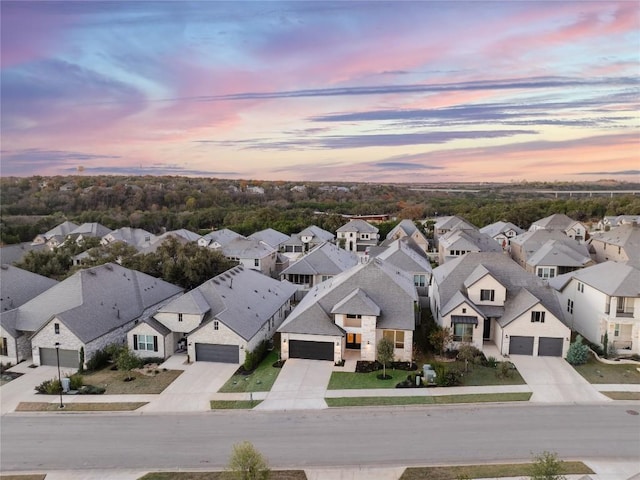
<point x="401" y="91"/>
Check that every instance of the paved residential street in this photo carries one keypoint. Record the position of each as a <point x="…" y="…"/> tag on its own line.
<point x="332" y="437"/>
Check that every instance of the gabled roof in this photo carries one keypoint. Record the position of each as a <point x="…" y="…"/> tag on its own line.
<point x="532" y="241"/>
<point x="407" y="226"/>
<point x="519" y="303"/>
<point x="626" y="236"/>
<point x="95" y="301"/>
<point x="356" y="303"/>
<point x="497" y="228"/>
<point x="182" y="233"/>
<point x="389" y="288"/>
<point x="246" y="248"/>
<point x="359" y="226"/>
<point x="555" y="253"/>
<point x="315" y="231"/>
<point x="401" y="255"/>
<point x="615" y="279"/>
<point x="271" y="237"/>
<point x="157" y="326"/>
<point x="222" y="236"/>
<point x="557" y="221"/>
<point x="458" y="299"/>
<point x="469" y="240"/>
<point x="192" y="302"/>
<point x="64" y="229"/>
<point x="453" y="223"/>
<point x="242" y="299"/>
<point x="325" y="259"/>
<point x="136" y="237"/>
<point x="18" y="286"/>
<point x="93" y="229"/>
<point x="478" y="273"/>
<point x="451" y="278"/>
<point x="10" y="254"/>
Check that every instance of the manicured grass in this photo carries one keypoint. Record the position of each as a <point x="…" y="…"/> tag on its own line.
<point x="275" y="475"/>
<point x="351" y="380"/>
<point x="597" y="372"/>
<point x="485" y="471"/>
<point x="37" y="476"/>
<point x="622" y="395"/>
<point x="78" y="407"/>
<point x="427" y="400"/>
<point x="234" y="404"/>
<point x="260" y="380"/>
<point x="113" y="381"/>
<point x="477" y="375"/>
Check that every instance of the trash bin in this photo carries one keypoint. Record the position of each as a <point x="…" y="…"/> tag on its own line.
<point x="66" y="383"/>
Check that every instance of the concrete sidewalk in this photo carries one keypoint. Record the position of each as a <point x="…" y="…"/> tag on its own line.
<point x="604" y="470"/>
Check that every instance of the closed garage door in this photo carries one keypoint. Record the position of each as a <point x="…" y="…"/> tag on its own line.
<point x="521" y="345"/>
<point x="68" y="358"/>
<point x="550" y="347"/>
<point x="311" y="350"/>
<point x="210" y="352"/>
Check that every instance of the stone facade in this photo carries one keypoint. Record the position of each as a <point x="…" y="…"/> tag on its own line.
<point x="165" y="344"/>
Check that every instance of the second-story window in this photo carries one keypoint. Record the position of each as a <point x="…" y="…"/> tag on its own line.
<point x="487" y="295"/>
<point x="179" y="317"/>
<point x="56" y="328"/>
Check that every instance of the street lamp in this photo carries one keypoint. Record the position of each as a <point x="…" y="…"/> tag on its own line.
<point x="57" y="345"/>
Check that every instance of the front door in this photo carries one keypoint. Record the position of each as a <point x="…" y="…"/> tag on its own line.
<point x="353" y="340"/>
<point x="486" y="334"/>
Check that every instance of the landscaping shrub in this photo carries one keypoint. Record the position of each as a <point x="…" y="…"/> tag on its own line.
<point x="91" y="390"/>
<point x="127" y="361"/>
<point x="253" y="358"/>
<point x="75" y="381"/>
<point x="149" y="360"/>
<point x="4" y="366"/>
<point x="635" y="357"/>
<point x="49" y="387"/>
<point x="447" y="376"/>
<point x="578" y="353"/>
<point x="612" y="351"/>
<point x="410" y="382"/>
<point x="504" y="370"/>
<point x="470" y="355"/>
<point x="492" y="362"/>
<point x="363" y="366"/>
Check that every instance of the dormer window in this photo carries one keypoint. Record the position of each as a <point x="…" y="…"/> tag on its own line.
<point x="487" y="295"/>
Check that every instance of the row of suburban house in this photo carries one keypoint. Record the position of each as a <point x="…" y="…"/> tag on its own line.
<point x="333" y="300"/>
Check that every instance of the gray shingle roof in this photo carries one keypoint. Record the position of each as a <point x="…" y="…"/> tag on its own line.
<point x="242" y="299"/>
<point x="10" y="254"/>
<point x="192" y="302"/>
<point x="555" y="253"/>
<point x="451" y="278"/>
<point x="246" y="248"/>
<point x="500" y="227"/>
<point x="389" y="288"/>
<point x="453" y="223"/>
<point x="319" y="233"/>
<point x="469" y="240"/>
<point x="615" y="279"/>
<point x="403" y="256"/>
<point x="97" y="300"/>
<point x="64" y="229"/>
<point x="136" y="237"/>
<point x="627" y="236"/>
<point x="92" y="229"/>
<point x="325" y="259"/>
<point x="359" y="226"/>
<point x="357" y="303"/>
<point x="271" y="237"/>
<point x="157" y="326"/>
<point x="557" y="221"/>
<point x="532" y="241"/>
<point x="18" y="286"/>
<point x="222" y="236"/>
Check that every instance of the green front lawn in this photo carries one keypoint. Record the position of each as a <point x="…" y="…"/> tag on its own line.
<point x="78" y="407"/>
<point x="113" y="381"/>
<point x="260" y="380"/>
<point x="274" y="475"/>
<point x="479" y="375"/>
<point x="234" y="404"/>
<point x="427" y="400"/>
<point x="352" y="380"/>
<point x="597" y="372"/>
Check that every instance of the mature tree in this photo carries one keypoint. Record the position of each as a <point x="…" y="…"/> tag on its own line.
<point x="384" y="354"/>
<point x="247" y="463"/>
<point x="547" y="466"/>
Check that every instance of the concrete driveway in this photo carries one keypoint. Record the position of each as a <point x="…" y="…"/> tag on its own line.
<point x="553" y="380"/>
<point x="22" y="389"/>
<point x="301" y="385"/>
<point x="192" y="391"/>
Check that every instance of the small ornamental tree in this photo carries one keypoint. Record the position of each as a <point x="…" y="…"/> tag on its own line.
<point x="547" y="466"/>
<point x="384" y="354"/>
<point x="127" y="361"/>
<point x="247" y="463"/>
<point x="440" y="338"/>
<point x="578" y="353"/>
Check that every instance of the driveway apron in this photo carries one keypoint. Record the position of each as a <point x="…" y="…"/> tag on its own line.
<point x="22" y="389"/>
<point x="192" y="391"/>
<point x="301" y="385"/>
<point x="553" y="380"/>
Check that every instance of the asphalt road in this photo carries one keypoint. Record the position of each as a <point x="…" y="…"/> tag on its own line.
<point x="334" y="437"/>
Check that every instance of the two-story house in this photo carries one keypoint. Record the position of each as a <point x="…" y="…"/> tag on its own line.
<point x="502" y="232"/>
<point x="562" y="223"/>
<point x="59" y="231"/>
<point x="525" y="246"/>
<point x="444" y="225"/>
<point x="555" y="258"/>
<point x="300" y="243"/>
<point x="357" y="236"/>
<point x="456" y="243"/>
<point x="135" y="237"/>
<point x="619" y="244"/>
<point x="409" y="257"/>
<point x="603" y="298"/>
<point x="222" y="319"/>
<point x="350" y="313"/>
<point x="252" y="254"/>
<point x="407" y="228"/>
<point x="487" y="297"/>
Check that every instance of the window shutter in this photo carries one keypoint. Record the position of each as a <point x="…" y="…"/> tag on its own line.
<point x="155" y="343"/>
<point x="135" y="342"/>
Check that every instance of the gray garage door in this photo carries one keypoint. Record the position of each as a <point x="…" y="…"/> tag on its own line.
<point x="68" y="358"/>
<point x="520" y="345"/>
<point x="210" y="352"/>
<point x="550" y="347"/>
<point x="311" y="350"/>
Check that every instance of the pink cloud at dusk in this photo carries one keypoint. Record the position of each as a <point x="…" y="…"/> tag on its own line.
<point x="320" y="90"/>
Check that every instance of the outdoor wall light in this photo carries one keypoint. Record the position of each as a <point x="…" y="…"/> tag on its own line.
<point x="284" y="340"/>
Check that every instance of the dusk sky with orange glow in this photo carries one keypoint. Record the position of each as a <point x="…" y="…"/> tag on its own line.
<point x="424" y="91"/>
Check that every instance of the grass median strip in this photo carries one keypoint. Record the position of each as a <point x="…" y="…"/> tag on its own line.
<point x="37" y="476"/>
<point x="274" y="475"/>
<point x="78" y="407"/>
<point x="428" y="400"/>
<point x="622" y="395"/>
<point x="234" y="404"/>
<point x="485" y="471"/>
